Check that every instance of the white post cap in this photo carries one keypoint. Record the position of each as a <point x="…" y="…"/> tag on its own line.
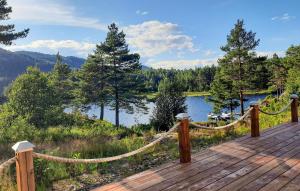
<point x="294" y="96"/>
<point x="23" y="146"/>
<point x="254" y="103"/>
<point x="182" y="116"/>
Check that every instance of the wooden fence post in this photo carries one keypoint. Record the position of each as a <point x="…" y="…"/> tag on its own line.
<point x="254" y="119"/>
<point x="24" y="166"/>
<point x="184" y="138"/>
<point x="294" y="108"/>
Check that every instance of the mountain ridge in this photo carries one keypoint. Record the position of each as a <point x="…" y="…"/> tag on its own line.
<point x="14" y="63"/>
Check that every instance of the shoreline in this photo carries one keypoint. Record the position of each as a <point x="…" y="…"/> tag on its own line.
<point x="199" y="94"/>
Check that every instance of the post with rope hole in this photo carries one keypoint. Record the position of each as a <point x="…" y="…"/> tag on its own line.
<point x="24" y="166"/>
<point x="254" y="119"/>
<point x="184" y="138"/>
<point x="294" y="107"/>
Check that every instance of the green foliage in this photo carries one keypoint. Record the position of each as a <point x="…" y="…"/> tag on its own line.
<point x="60" y="80"/>
<point x="293" y="57"/>
<point x="223" y="93"/>
<point x="169" y="102"/>
<point x="18" y="130"/>
<point x="292" y="60"/>
<point x="8" y="34"/>
<point x="94" y="84"/>
<point x="32" y="98"/>
<point x="238" y="59"/>
<point x="279" y="70"/>
<point x="293" y="82"/>
<point x="198" y="79"/>
<point x="125" y="82"/>
<point x="275" y="104"/>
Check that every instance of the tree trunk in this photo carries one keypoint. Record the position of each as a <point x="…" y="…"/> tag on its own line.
<point x="242" y="102"/>
<point x="241" y="88"/>
<point x="231" y="109"/>
<point x="117" y="109"/>
<point x="102" y="111"/>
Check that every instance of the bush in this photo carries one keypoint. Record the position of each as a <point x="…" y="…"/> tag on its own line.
<point x="170" y="102"/>
<point x="293" y="81"/>
<point x="19" y="130"/>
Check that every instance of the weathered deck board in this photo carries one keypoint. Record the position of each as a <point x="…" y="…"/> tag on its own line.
<point x="268" y="162"/>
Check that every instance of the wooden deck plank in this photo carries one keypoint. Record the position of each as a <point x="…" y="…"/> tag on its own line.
<point x="247" y="173"/>
<point x="272" y="174"/>
<point x="189" y="174"/>
<point x="203" y="179"/>
<point x="292" y="185"/>
<point x="245" y="163"/>
<point x="284" y="178"/>
<point x="198" y="173"/>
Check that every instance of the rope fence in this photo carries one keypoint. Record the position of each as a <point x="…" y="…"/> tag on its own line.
<point x="277" y="112"/>
<point x="107" y="159"/>
<point x="4" y="166"/>
<point x="224" y="126"/>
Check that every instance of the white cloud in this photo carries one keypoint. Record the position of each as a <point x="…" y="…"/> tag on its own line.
<point x="81" y="48"/>
<point x="284" y="17"/>
<point x="152" y="38"/>
<point x="139" y="12"/>
<point x="182" y="64"/>
<point x="52" y="13"/>
<point x="209" y="53"/>
<point x="269" y="54"/>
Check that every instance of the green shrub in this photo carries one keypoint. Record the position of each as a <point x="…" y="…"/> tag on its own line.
<point x="19" y="130"/>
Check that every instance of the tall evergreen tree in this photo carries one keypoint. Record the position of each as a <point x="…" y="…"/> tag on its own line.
<point x="223" y="93"/>
<point x="279" y="73"/>
<point x="59" y="78"/>
<point x="238" y="55"/>
<point x="94" y="81"/>
<point x="7" y="32"/>
<point x="124" y="73"/>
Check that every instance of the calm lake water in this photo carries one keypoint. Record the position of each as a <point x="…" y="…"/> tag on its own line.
<point x="198" y="108"/>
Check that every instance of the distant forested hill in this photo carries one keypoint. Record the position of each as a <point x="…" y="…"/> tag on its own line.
<point x="13" y="64"/>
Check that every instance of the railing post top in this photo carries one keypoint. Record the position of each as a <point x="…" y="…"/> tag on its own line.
<point x="294" y="96"/>
<point x="23" y="146"/>
<point x="254" y="103"/>
<point x="182" y="116"/>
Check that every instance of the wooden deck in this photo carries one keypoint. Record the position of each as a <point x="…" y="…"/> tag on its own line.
<point x="269" y="162"/>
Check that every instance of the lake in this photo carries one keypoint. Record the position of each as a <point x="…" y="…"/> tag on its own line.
<point x="198" y="108"/>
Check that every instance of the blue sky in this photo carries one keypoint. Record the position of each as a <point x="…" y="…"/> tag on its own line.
<point x="166" y="33"/>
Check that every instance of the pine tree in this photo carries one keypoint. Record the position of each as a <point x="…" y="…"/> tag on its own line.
<point x="279" y="74"/>
<point x="125" y="80"/>
<point x="59" y="78"/>
<point x="238" y="56"/>
<point x="223" y="93"/>
<point x="7" y="32"/>
<point x="94" y="81"/>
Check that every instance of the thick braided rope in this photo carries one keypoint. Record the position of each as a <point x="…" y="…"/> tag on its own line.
<point x="107" y="159"/>
<point x="224" y="126"/>
<point x="7" y="164"/>
<point x="277" y="112"/>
